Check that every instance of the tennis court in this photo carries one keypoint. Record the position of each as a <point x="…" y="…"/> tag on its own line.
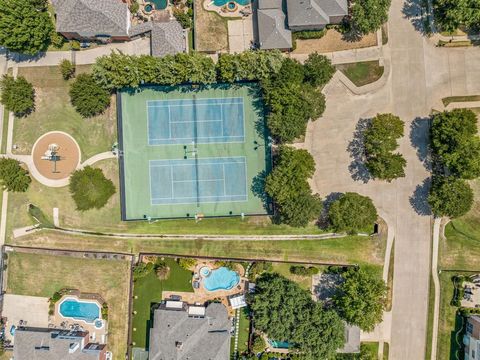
<point x="189" y="152"/>
<point x="200" y="120"/>
<point x="201" y="181"/>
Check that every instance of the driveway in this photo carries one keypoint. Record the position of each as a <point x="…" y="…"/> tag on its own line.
<point x="421" y="75"/>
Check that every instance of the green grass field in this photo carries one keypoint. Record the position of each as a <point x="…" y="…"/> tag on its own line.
<point x="153" y="187"/>
<point x="362" y="73"/>
<point x="148" y="290"/>
<point x="53" y="111"/>
<point x="42" y="275"/>
<point x="243" y="331"/>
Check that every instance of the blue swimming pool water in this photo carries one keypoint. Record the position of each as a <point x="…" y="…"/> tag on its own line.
<point x="223" y="2"/>
<point x="279" y="344"/>
<point x="80" y="310"/>
<point x="221" y="279"/>
<point x="160" y="4"/>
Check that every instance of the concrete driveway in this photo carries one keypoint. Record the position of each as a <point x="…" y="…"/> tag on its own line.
<point x="421" y="75"/>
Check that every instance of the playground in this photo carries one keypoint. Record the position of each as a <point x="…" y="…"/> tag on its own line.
<point x="56" y="155"/>
<point x="191" y="152"/>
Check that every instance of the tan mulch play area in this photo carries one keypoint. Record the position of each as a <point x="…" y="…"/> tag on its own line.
<point x="68" y="155"/>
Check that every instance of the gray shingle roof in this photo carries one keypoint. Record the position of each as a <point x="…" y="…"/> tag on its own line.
<point x="175" y="336"/>
<point x="92" y="17"/>
<point x="272" y="30"/>
<point x="314" y="12"/>
<point x="51" y="344"/>
<point x="166" y="37"/>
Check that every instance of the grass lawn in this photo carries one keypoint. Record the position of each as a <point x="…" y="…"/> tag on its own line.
<point x="42" y="275"/>
<point x="3" y="147"/>
<point x="305" y="282"/>
<point x="386" y="349"/>
<point x="148" y="290"/>
<point x="365" y="251"/>
<point x="211" y="31"/>
<point x="243" y="331"/>
<point x="362" y="73"/>
<point x="53" y="111"/>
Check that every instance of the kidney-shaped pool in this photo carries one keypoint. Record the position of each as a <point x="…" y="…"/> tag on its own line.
<point x="221" y="279"/>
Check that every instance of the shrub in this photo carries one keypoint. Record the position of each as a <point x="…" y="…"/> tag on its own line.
<point x="352" y="212"/>
<point x="105" y="311"/>
<point x="75" y="45"/>
<point x="259" y="345"/>
<point x="187" y="263"/>
<point x="67" y="69"/>
<point x="450" y="196"/>
<point x="309" y="34"/>
<point x="258" y="268"/>
<point x="134" y="7"/>
<point x="141" y="270"/>
<point x="183" y="18"/>
<point x="13" y="176"/>
<point x="18" y="95"/>
<point x="303" y="271"/>
<point x="88" y="98"/>
<point x="90" y="189"/>
<point x="57" y="39"/>
<point x="318" y="69"/>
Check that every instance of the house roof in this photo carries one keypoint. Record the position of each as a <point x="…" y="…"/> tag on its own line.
<point x="53" y="344"/>
<point x="175" y="335"/>
<point x="352" y="340"/>
<point x="166" y="37"/>
<point x="314" y="12"/>
<point x="92" y="17"/>
<point x="272" y="30"/>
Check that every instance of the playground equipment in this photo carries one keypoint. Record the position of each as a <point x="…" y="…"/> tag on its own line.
<point x="52" y="155"/>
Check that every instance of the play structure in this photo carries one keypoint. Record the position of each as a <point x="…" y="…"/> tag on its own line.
<point x="52" y="155"/>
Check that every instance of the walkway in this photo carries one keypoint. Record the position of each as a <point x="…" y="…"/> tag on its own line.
<point x="436" y="285"/>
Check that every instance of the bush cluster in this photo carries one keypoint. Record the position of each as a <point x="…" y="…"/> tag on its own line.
<point x="141" y="270"/>
<point x="13" y="176"/>
<point x="88" y="98"/>
<point x="303" y="270"/>
<point x="287" y="185"/>
<point x="90" y="188"/>
<point x="186" y="263"/>
<point x="67" y="69"/>
<point x="352" y="213"/>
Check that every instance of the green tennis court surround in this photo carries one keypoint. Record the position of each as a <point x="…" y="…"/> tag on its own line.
<point x="186" y="151"/>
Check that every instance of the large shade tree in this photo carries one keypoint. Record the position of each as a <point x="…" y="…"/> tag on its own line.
<point x="88" y="98"/>
<point x="352" y="212"/>
<point x="13" y="177"/>
<point x="455" y="142"/>
<point x="286" y="312"/>
<point x="450" y="196"/>
<point x="367" y="16"/>
<point x="90" y="188"/>
<point x="18" y="95"/>
<point x="361" y="299"/>
<point x="452" y="14"/>
<point x="25" y="25"/>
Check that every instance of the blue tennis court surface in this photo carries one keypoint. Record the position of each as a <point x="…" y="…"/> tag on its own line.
<point x="200" y="120"/>
<point x="209" y="180"/>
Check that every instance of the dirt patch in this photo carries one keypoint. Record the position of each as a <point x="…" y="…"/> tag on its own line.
<point x="334" y="41"/>
<point x="68" y="155"/>
<point x="211" y="33"/>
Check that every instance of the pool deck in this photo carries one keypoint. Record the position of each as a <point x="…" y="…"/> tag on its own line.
<point x="202" y="295"/>
<point x="210" y="6"/>
<point x="96" y="335"/>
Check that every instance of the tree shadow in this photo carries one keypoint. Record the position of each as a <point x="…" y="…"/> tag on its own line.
<point x="417" y="14"/>
<point x="258" y="188"/>
<point x="324" y="221"/>
<point x="356" y="148"/>
<point x="419" y="138"/>
<point x="419" y="198"/>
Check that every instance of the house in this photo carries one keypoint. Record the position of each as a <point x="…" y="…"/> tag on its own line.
<point x="110" y="20"/>
<point x="315" y="14"/>
<point x="182" y="333"/>
<point x="471" y="339"/>
<point x="55" y="344"/>
<point x="92" y="19"/>
<point x="272" y="27"/>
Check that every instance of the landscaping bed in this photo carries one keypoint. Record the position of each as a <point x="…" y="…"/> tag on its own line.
<point x="362" y="73"/>
<point x="42" y="275"/>
<point x="333" y="41"/>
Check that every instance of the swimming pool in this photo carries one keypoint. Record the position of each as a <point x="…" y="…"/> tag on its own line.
<point x="223" y="2"/>
<point x="160" y="4"/>
<point x="87" y="311"/>
<point x="221" y="279"/>
<point x="278" y="344"/>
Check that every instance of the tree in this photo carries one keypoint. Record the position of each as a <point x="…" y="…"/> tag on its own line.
<point x="352" y="212"/>
<point x="18" y="95"/>
<point x="162" y="270"/>
<point x="182" y="17"/>
<point x="455" y="142"/>
<point x="25" y="26"/>
<point x="90" y="189"/>
<point x="88" y="98"/>
<point x="67" y="69"/>
<point x="286" y="312"/>
<point x="380" y="140"/>
<point x="318" y="69"/>
<point x="299" y="211"/>
<point x="450" y="196"/>
<point x="361" y="299"/>
<point x="368" y="15"/>
<point x="452" y="14"/>
<point x="13" y="176"/>
<point x="141" y="270"/>
<point x="259" y="345"/>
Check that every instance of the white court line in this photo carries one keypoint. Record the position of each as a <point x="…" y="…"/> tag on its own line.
<point x="198" y="137"/>
<point x="191" y="165"/>
<point x="203" y="101"/>
<point x="197" y="121"/>
<point x="224" y="182"/>
<point x="205" y="180"/>
<point x="171" y="182"/>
